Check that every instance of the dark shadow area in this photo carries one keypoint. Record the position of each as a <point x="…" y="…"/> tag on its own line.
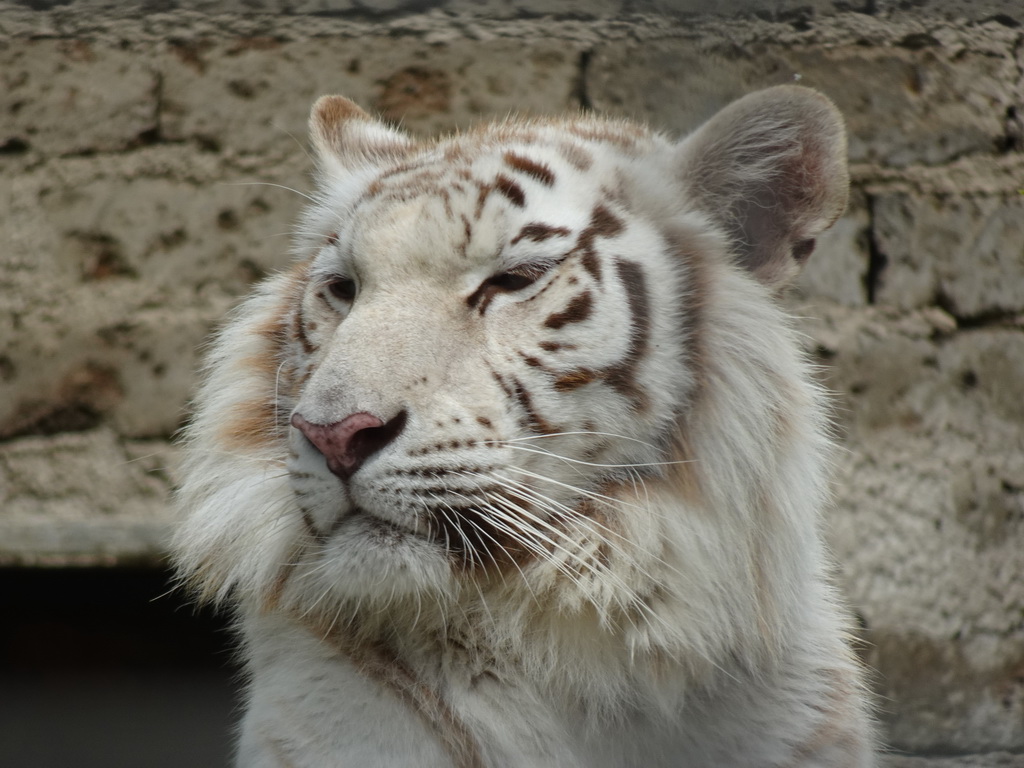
<point x="108" y="667"/>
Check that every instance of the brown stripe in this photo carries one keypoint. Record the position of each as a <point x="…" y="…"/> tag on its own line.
<point x="576" y="379"/>
<point x="576" y="156"/>
<point x="381" y="665"/>
<point x="540" y="171"/>
<point x="275" y="337"/>
<point x="624" y="135"/>
<point x="501" y="383"/>
<point x="273" y="598"/>
<point x="578" y="310"/>
<point x="685" y="473"/>
<point x="530" y="360"/>
<point x="446" y="198"/>
<point x="263" y="363"/>
<point x="483" y="192"/>
<point x="481" y="297"/>
<point x="603" y="223"/>
<point x="256" y="423"/>
<point x="252" y="426"/>
<point x="535" y="421"/>
<point x="840" y="731"/>
<point x="623" y="375"/>
<point x="592" y="264"/>
<point x="510" y="189"/>
<point x="299" y="330"/>
<point x="687" y="250"/>
<point x="467" y="231"/>
<point x="379" y="184"/>
<point x="538" y="232"/>
<point x="277" y="747"/>
<point x="555" y="346"/>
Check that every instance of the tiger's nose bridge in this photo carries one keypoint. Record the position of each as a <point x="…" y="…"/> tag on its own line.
<point x="402" y="337"/>
<point x="388" y="360"/>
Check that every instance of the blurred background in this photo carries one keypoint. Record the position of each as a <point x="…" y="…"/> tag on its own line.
<point x="153" y="158"/>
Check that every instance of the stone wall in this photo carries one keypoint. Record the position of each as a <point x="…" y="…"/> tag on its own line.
<point x="152" y="160"/>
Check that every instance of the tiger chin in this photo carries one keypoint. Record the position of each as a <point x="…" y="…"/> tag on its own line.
<point x="520" y="463"/>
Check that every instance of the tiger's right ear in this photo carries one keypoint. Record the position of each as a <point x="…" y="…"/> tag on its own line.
<point x="347" y="138"/>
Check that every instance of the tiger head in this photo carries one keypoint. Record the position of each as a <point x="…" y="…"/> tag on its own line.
<point x="540" y="357"/>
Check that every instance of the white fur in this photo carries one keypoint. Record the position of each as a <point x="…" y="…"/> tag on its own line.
<point x="686" y="618"/>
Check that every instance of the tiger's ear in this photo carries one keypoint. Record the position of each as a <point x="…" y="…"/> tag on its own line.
<point x="346" y="138"/>
<point x="770" y="170"/>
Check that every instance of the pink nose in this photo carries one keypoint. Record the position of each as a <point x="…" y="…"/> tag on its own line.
<point x="348" y="443"/>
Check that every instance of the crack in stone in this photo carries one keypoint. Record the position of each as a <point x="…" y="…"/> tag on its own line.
<point x="877" y="259"/>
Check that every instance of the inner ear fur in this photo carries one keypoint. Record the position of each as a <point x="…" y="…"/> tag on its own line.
<point x="345" y="136"/>
<point x="770" y="170"/>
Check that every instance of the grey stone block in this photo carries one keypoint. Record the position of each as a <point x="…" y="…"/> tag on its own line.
<point x="254" y="95"/>
<point x="902" y="106"/>
<point x="964" y="252"/>
<point x="987" y="760"/>
<point x="783" y="9"/>
<point x="838" y="268"/>
<point x="113" y="272"/>
<point x="929" y="519"/>
<point x="84" y="499"/>
<point x="68" y="96"/>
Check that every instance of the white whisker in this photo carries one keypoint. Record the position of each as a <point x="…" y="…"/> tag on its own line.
<point x="277" y="393"/>
<point x="310" y="198"/>
<point x="574" y="489"/>
<point x="591" y="526"/>
<point x="548" y="435"/>
<point x="631" y="465"/>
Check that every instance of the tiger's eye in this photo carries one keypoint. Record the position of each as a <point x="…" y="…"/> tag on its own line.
<point x="506" y="282"/>
<point x="513" y="281"/>
<point x="342" y="288"/>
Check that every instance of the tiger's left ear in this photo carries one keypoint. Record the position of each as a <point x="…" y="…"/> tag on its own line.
<point x="346" y="138"/>
<point x="770" y="170"/>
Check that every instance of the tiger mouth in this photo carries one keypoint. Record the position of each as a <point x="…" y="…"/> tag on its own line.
<point x="466" y="535"/>
<point x="381" y="528"/>
<point x="384" y="531"/>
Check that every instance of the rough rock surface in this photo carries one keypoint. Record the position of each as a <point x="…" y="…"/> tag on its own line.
<point x="153" y="161"/>
<point x="991" y="760"/>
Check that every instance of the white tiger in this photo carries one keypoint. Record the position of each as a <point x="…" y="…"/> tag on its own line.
<point x="520" y="464"/>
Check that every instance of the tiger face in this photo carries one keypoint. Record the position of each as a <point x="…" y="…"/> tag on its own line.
<point x="499" y="359"/>
<point x="477" y="353"/>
